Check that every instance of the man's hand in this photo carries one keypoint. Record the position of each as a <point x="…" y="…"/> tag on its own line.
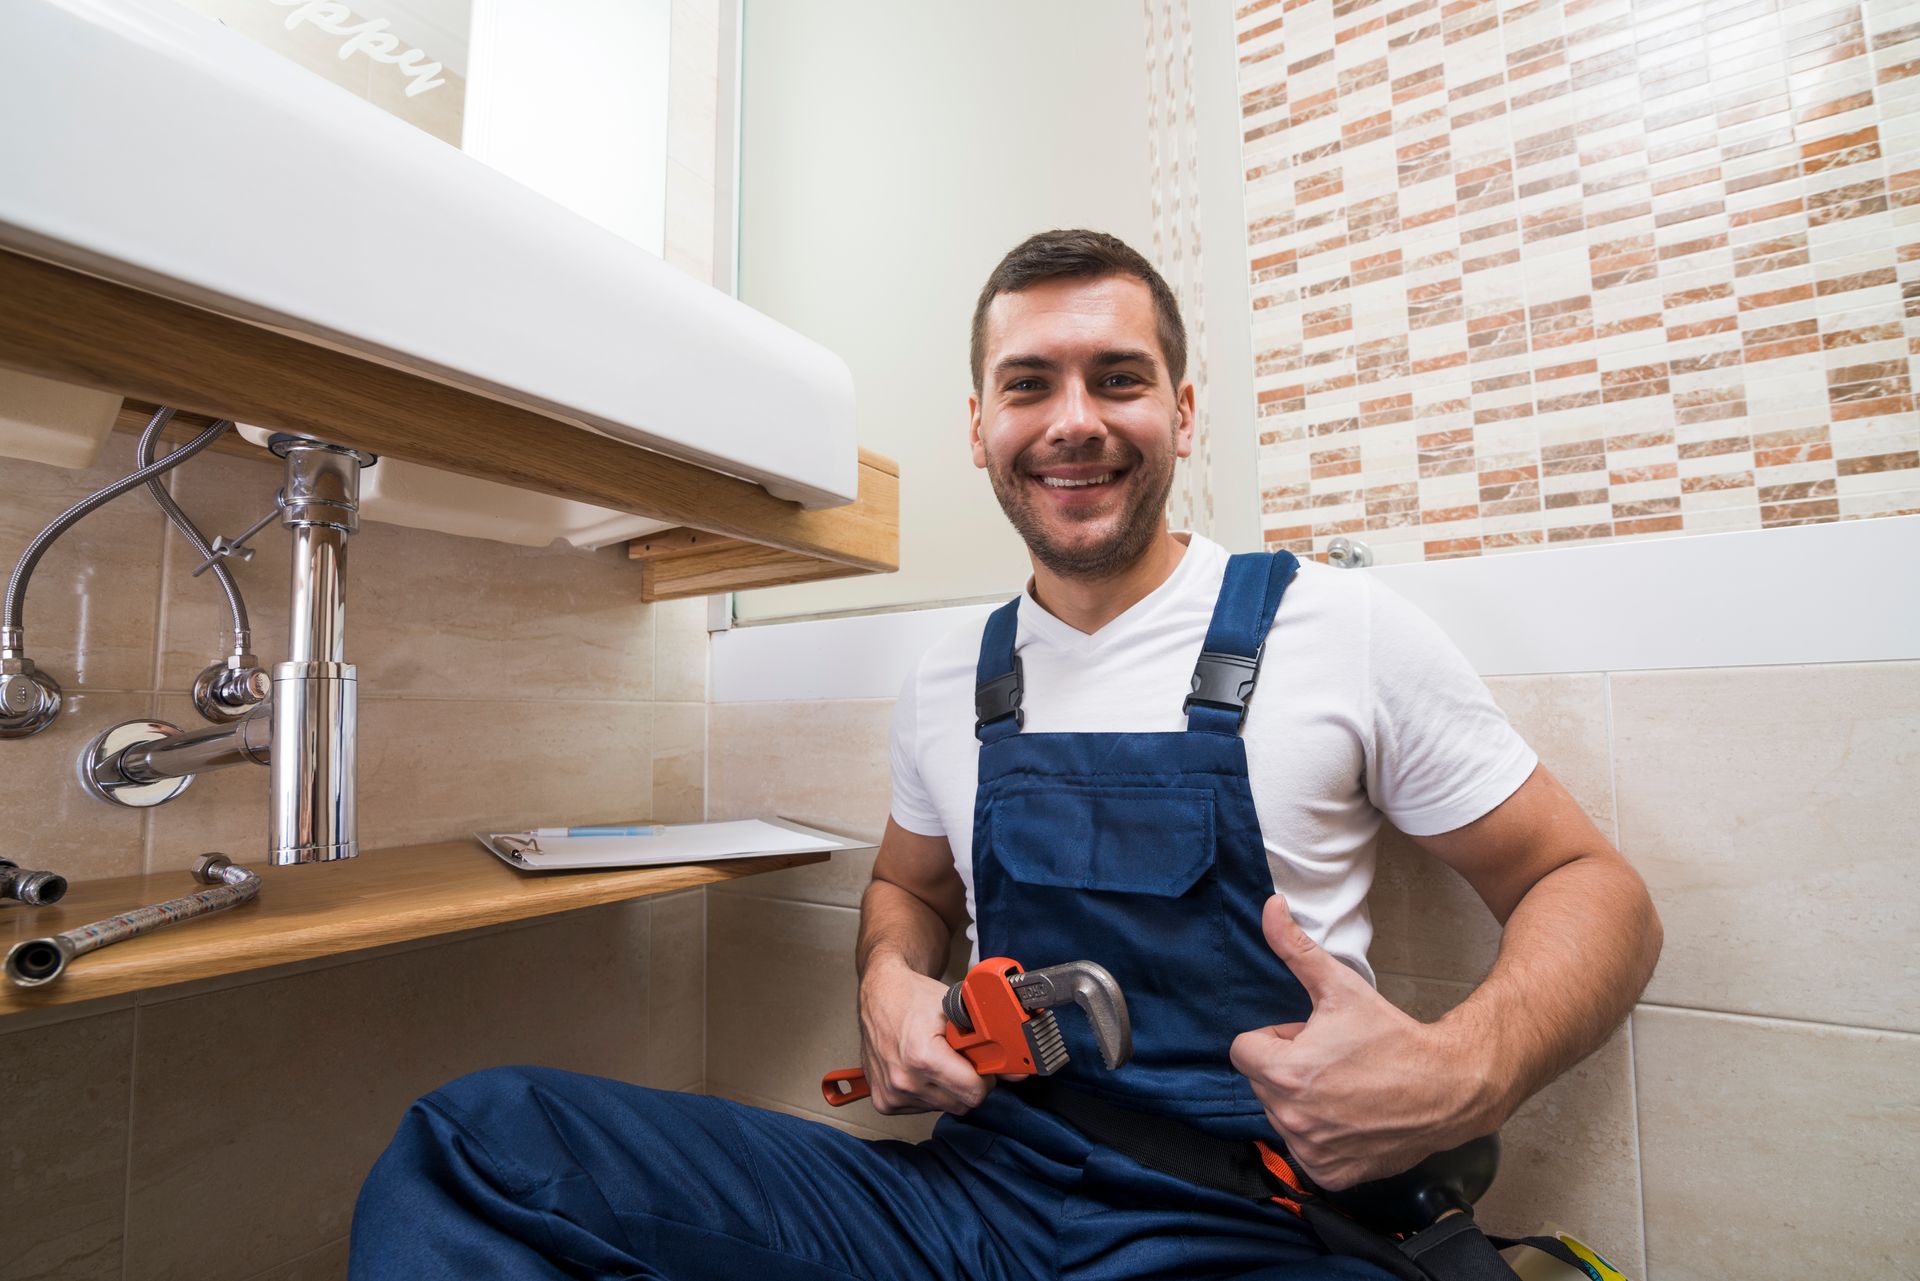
<point x="903" y="1045"/>
<point x="1360" y="1090"/>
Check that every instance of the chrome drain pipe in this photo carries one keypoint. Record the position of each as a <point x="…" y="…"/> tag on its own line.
<point x="37" y="961"/>
<point x="315" y="692"/>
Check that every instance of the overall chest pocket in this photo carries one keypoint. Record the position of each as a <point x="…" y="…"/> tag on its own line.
<point x="1129" y="840"/>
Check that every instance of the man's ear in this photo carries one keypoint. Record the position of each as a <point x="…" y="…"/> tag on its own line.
<point x="973" y="432"/>
<point x="1183" y="425"/>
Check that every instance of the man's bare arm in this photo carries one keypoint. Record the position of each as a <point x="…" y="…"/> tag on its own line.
<point x="1360" y="1090"/>
<point x="914" y="904"/>
<point x="907" y="921"/>
<point x="1579" y="942"/>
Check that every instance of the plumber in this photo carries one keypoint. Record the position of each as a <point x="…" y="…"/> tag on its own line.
<point x="1162" y="758"/>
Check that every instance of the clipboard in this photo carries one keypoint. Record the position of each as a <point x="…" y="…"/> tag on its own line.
<point x="674" y="843"/>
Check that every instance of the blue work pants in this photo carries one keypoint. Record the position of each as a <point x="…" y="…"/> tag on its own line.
<point x="536" y="1173"/>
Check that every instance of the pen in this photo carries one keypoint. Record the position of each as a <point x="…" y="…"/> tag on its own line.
<point x="634" y="829"/>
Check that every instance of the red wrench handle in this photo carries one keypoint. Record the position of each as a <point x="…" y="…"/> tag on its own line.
<point x="842" y="1087"/>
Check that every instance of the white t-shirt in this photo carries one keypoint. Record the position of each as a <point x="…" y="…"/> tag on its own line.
<point x="1363" y="708"/>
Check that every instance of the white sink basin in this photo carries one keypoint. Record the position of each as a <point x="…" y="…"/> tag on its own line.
<point x="147" y="144"/>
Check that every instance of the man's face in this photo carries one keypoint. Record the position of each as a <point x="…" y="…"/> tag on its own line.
<point x="1077" y="423"/>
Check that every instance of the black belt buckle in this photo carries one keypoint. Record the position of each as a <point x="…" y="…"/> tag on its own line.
<point x="999" y="698"/>
<point x="1224" y="681"/>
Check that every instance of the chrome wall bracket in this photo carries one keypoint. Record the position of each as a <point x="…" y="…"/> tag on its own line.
<point x="147" y="763"/>
<point x="101" y="759"/>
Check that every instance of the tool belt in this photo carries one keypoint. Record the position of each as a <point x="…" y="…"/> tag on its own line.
<point x="1391" y="1224"/>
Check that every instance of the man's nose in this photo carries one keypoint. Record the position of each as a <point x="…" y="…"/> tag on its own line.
<point x="1078" y="416"/>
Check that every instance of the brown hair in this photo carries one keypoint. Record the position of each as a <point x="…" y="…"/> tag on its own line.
<point x="1079" y="254"/>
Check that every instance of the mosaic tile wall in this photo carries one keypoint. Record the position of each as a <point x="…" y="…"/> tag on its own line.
<point x="1559" y="273"/>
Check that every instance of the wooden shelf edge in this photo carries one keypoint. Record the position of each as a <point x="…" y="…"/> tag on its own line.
<point x="73" y="327"/>
<point x="685" y="561"/>
<point x="320" y="910"/>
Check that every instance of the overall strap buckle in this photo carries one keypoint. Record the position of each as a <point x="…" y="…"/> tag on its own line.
<point x="999" y="698"/>
<point x="1225" y="682"/>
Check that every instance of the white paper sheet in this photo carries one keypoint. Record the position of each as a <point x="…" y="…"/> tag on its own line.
<point x="675" y="843"/>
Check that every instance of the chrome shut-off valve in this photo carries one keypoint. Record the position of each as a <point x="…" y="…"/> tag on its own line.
<point x="29" y="698"/>
<point x="226" y="691"/>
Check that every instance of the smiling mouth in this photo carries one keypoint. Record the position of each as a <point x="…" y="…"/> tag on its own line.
<point x="1064" y="482"/>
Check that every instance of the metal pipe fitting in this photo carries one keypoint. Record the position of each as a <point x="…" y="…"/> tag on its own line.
<point x="147" y="763"/>
<point x="30" y="699"/>
<point x="35" y="889"/>
<point x="315" y="692"/>
<point x="248" y="742"/>
<point x="42" y="960"/>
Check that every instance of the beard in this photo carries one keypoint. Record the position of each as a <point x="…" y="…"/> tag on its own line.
<point x="1129" y="533"/>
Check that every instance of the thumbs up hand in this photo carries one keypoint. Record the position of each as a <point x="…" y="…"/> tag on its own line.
<point x="1360" y="1090"/>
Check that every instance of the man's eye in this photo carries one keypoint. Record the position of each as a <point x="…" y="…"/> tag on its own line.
<point x="1124" y="380"/>
<point x="1024" y="384"/>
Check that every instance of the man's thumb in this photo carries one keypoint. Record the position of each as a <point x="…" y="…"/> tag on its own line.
<point x="1316" y="968"/>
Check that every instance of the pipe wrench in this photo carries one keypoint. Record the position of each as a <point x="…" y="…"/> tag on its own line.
<point x="1001" y="1017"/>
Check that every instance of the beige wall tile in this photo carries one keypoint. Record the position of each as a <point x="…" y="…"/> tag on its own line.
<point x="838" y="882"/>
<point x="693" y="76"/>
<point x="689" y="223"/>
<point x="677" y="992"/>
<point x="1427" y="920"/>
<point x="823" y="763"/>
<point x="312" y="1074"/>
<point x="1775" y="1151"/>
<point x="428" y="614"/>
<point x="328" y="1263"/>
<point x="90" y="605"/>
<point x="781" y="1009"/>
<point x="1564" y="719"/>
<point x="439" y="770"/>
<point x="680" y="651"/>
<point x="51" y="823"/>
<point x="1773" y="812"/>
<point x="679" y="762"/>
<point x="63" y="1167"/>
<point x="1569" y="1158"/>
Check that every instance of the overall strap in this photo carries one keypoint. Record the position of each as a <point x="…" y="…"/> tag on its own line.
<point x="997" y="681"/>
<point x="1229" y="663"/>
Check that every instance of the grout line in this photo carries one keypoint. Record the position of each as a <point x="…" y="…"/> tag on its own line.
<point x="787" y="899"/>
<point x="298" y="1258"/>
<point x="1639" y="1149"/>
<point x="126" y="1185"/>
<point x="1778" y="1021"/>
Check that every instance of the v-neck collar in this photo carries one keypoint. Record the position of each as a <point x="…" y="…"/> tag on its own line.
<point x="1055" y="631"/>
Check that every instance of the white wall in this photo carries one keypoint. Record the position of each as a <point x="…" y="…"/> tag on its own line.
<point x="890" y="154"/>
<point x="570" y="98"/>
<point x="1829" y="593"/>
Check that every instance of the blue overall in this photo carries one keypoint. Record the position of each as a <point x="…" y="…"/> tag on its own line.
<point x="1140" y="851"/>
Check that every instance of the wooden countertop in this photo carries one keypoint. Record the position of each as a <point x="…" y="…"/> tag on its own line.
<point x="327" y="909"/>
<point x="62" y="323"/>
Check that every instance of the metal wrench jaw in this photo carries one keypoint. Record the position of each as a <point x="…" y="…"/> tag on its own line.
<point x="1090" y="987"/>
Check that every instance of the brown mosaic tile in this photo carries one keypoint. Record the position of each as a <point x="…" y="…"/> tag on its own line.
<point x="1716" y="483"/>
<point x="1652" y="525"/>
<point x="1638" y="440"/>
<point x="1905" y="460"/>
<point x="1708" y="210"/>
